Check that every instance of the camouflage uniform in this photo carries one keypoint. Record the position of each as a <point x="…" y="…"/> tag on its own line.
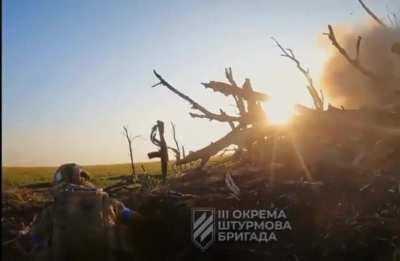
<point x="83" y="223"/>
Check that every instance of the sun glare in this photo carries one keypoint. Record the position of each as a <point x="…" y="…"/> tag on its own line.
<point x="279" y="112"/>
<point x="280" y="108"/>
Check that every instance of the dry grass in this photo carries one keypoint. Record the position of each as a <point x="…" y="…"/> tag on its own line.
<point x="102" y="175"/>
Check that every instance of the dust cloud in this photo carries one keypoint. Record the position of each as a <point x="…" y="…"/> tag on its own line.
<point x="344" y="84"/>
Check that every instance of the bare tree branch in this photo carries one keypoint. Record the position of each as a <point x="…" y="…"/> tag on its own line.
<point x="206" y="114"/>
<point x="353" y="61"/>
<point x="255" y="111"/>
<point x="238" y="100"/>
<point x="228" y="89"/>
<point x="379" y="80"/>
<point x="130" y="139"/>
<point x="241" y="134"/>
<point x="318" y="98"/>
<point x="394" y="20"/>
<point x="237" y="136"/>
<point x="231" y="124"/>
<point x="176" y="150"/>
<point x="372" y="14"/>
<point x="330" y="121"/>
<point x="162" y="145"/>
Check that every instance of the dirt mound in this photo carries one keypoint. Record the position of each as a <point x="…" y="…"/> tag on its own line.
<point x="341" y="216"/>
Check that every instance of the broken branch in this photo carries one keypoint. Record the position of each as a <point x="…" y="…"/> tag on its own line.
<point x="238" y="100"/>
<point x="129" y="138"/>
<point x="206" y="114"/>
<point x="372" y="14"/>
<point x="237" y="136"/>
<point x="163" y="148"/>
<point x="176" y="150"/>
<point x="228" y="89"/>
<point x="353" y="61"/>
<point x="318" y="98"/>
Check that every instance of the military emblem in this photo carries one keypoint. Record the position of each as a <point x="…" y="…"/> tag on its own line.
<point x="203" y="227"/>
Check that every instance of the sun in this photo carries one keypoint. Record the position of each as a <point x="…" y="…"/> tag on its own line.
<point x="279" y="112"/>
<point x="280" y="108"/>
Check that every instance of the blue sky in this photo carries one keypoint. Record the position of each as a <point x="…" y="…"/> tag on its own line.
<point x="74" y="72"/>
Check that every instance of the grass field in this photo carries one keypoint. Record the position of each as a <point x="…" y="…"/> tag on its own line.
<point x="102" y="175"/>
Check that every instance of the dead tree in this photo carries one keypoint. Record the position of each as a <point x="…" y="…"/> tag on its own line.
<point x="354" y="61"/>
<point x="175" y="150"/>
<point x="384" y="88"/>
<point x="244" y="93"/>
<point x="352" y="121"/>
<point x="162" y="153"/>
<point x="249" y="126"/>
<point x="205" y="113"/>
<point x="240" y="137"/>
<point x="390" y="92"/>
<point x="130" y="139"/>
<point x="251" y="116"/>
<point x="318" y="98"/>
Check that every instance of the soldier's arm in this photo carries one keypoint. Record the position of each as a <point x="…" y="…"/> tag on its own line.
<point x="124" y="214"/>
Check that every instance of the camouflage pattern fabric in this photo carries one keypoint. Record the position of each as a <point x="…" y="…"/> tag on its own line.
<point x="82" y="224"/>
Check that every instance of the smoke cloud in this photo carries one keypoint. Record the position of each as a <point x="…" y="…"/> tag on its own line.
<point x="344" y="84"/>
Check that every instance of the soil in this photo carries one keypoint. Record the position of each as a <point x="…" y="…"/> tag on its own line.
<point x="340" y="214"/>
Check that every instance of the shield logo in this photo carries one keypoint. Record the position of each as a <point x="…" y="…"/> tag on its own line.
<point x="203" y="231"/>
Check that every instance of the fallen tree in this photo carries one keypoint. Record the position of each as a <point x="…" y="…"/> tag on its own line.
<point x="253" y="135"/>
<point x="252" y="132"/>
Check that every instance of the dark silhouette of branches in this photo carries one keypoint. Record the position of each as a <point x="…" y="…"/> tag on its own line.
<point x="205" y="113"/>
<point x="394" y="20"/>
<point x="318" y="98"/>
<point x="176" y="150"/>
<point x="235" y="91"/>
<point x="237" y="137"/>
<point x="239" y="101"/>
<point x="130" y="139"/>
<point x="372" y="14"/>
<point x="353" y="61"/>
<point x="251" y="119"/>
<point x="162" y="145"/>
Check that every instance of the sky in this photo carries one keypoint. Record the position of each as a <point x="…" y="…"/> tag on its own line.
<point x="74" y="72"/>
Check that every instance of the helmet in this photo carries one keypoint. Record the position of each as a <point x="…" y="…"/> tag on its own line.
<point x="71" y="173"/>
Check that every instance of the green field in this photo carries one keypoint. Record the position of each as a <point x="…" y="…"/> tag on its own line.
<point x="102" y="175"/>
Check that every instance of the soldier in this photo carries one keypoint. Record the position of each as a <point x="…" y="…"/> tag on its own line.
<point x="83" y="223"/>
